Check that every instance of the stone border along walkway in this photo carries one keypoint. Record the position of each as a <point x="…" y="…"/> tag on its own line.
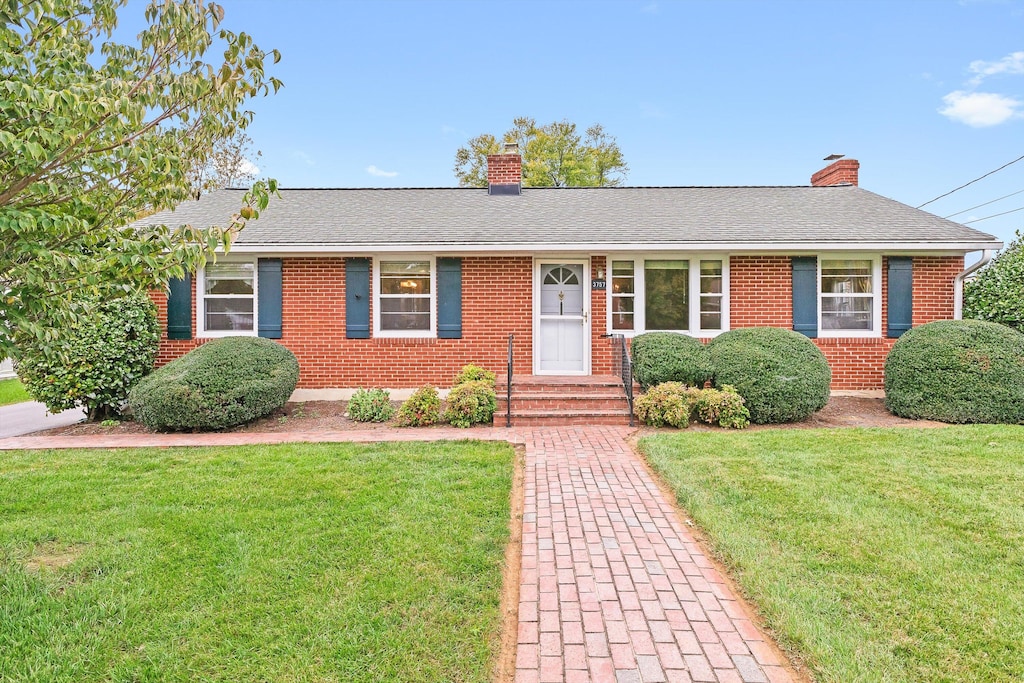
<point x="613" y="588"/>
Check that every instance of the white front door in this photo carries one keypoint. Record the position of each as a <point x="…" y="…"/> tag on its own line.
<point x="562" y="314"/>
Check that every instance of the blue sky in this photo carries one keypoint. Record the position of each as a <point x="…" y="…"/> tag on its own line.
<point x="927" y="95"/>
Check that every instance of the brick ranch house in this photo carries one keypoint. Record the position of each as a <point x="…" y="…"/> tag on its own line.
<point x="396" y="288"/>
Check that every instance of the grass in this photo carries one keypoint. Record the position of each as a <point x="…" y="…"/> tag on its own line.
<point x="327" y="562"/>
<point x="11" y="391"/>
<point x="874" y="554"/>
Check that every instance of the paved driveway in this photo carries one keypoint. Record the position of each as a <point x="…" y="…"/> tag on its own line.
<point x="23" y="418"/>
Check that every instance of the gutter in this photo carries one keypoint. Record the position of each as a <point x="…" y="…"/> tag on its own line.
<point x="958" y="283"/>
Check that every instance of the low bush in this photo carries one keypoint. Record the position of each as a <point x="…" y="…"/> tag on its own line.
<point x="723" y="407"/>
<point x="421" y="409"/>
<point x="95" y="363"/>
<point x="669" y="403"/>
<point x="469" y="403"/>
<point x="961" y="371"/>
<point x="660" y="357"/>
<point x="781" y="374"/>
<point x="370" y="405"/>
<point x="474" y="373"/>
<point x="223" y="383"/>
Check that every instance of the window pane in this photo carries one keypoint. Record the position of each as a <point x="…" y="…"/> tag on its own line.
<point x="229" y="278"/>
<point x="846" y="276"/>
<point x="622" y="285"/>
<point x="846" y="312"/>
<point x="667" y="295"/>
<point x="711" y="313"/>
<point x="405" y="321"/>
<point x="405" y="268"/>
<point x="624" y="268"/>
<point x="228" y="314"/>
<point x="416" y="284"/>
<point x="622" y="321"/>
<point x="405" y="305"/>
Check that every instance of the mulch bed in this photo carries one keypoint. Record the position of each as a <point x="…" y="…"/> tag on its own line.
<point x="313" y="416"/>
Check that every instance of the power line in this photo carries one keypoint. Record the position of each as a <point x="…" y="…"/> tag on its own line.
<point x="995" y="215"/>
<point x="985" y="204"/>
<point x="957" y="189"/>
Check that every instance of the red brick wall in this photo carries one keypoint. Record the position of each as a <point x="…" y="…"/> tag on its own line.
<point x="837" y="173"/>
<point x="497" y="300"/>
<point x="761" y="294"/>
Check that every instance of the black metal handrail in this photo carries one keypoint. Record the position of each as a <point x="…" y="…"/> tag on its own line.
<point x="508" y="386"/>
<point x="625" y="370"/>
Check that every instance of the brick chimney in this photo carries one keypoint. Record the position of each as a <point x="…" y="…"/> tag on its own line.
<point x="505" y="171"/>
<point x="839" y="172"/>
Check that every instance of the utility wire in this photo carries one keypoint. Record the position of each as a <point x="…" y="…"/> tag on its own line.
<point x="978" y="220"/>
<point x="957" y="189"/>
<point x="985" y="204"/>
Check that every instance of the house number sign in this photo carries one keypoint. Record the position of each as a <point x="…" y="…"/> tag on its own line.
<point x="598" y="284"/>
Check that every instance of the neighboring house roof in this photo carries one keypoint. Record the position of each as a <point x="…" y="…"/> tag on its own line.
<point x="843" y="217"/>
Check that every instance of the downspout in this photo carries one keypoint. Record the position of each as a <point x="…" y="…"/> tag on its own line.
<point x="958" y="283"/>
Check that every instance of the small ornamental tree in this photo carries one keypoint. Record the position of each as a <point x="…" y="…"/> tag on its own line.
<point x="96" y="133"/>
<point x="94" y="362"/>
<point x="997" y="293"/>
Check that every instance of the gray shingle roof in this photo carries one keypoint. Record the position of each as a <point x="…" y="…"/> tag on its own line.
<point x="584" y="218"/>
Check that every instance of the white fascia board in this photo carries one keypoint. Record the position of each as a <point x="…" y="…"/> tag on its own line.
<point x="738" y="248"/>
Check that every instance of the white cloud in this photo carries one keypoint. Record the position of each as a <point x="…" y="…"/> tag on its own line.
<point x="1012" y="63"/>
<point x="650" y="8"/>
<point x="447" y="130"/>
<point x="373" y="170"/>
<point x="248" y="168"/>
<point x="980" y="109"/>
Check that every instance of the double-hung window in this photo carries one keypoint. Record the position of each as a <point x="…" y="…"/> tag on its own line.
<point x="674" y="294"/>
<point x="849" y="296"/>
<point x="404" y="290"/>
<point x="227" y="298"/>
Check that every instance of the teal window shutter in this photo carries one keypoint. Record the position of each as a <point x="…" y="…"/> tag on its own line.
<point x="179" y="308"/>
<point x="449" y="298"/>
<point x="901" y="295"/>
<point x="270" y="297"/>
<point x="805" y="295"/>
<point x="357" y="298"/>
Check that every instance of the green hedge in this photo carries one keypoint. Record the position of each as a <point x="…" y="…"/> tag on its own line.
<point x="961" y="371"/>
<point x="781" y="374"/>
<point x="660" y="357"/>
<point x="223" y="383"/>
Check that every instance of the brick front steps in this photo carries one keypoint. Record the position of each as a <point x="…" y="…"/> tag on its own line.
<point x="560" y="400"/>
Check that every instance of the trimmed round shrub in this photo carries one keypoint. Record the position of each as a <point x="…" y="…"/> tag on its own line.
<point x="471" y="403"/>
<point x="781" y="374"/>
<point x="223" y="383"/>
<point x="660" y="357"/>
<point x="723" y="407"/>
<point x="959" y="371"/>
<point x="95" y="363"/>
<point x="370" y="405"/>
<point x="421" y="409"/>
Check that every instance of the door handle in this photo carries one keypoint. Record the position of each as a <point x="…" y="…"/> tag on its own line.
<point x="584" y="317"/>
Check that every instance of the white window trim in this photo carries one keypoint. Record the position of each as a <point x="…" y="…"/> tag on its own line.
<point x="640" y="287"/>
<point x="876" y="293"/>
<point x="201" y="330"/>
<point x="409" y="334"/>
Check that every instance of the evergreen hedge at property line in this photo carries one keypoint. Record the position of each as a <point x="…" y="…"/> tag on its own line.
<point x="223" y="383"/>
<point x="782" y="375"/>
<point x="961" y="371"/>
<point x="660" y="357"/>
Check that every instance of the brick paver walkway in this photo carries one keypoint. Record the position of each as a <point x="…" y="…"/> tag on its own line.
<point x="612" y="588"/>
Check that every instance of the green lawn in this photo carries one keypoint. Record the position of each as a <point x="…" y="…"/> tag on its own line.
<point x="327" y="562"/>
<point x="876" y="555"/>
<point x="11" y="391"/>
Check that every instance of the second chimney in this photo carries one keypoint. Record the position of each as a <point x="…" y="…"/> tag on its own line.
<point x="505" y="171"/>
<point x="841" y="172"/>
